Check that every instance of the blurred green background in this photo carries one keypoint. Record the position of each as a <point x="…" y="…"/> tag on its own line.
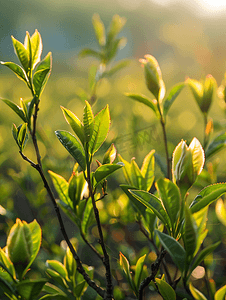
<point x="187" y="39"/>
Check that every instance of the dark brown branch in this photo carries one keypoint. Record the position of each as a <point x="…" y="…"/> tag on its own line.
<point x="154" y="270"/>
<point x="106" y="261"/>
<point x="91" y="246"/>
<point x="80" y="268"/>
<point x="145" y="233"/>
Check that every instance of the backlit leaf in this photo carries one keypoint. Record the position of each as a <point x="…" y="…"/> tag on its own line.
<point x="147" y="169"/>
<point x="221" y="293"/>
<point x="20" y="73"/>
<point x="18" y="110"/>
<point x="100" y="129"/>
<point x="73" y="146"/>
<point x="104" y="171"/>
<point x="221" y="211"/>
<point x="36" y="48"/>
<point x="208" y="195"/>
<point x="138" y="271"/>
<point x="30" y="289"/>
<point x="99" y="29"/>
<point x="196" y="293"/>
<point x="75" y="123"/>
<point x="216" y="145"/>
<point x="145" y="100"/>
<point x="175" y="250"/>
<point x="166" y="291"/>
<point x="174" y="92"/>
<point x="22" y="53"/>
<point x="88" y="121"/>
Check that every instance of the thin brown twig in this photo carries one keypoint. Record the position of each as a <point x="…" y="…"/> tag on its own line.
<point x="80" y="268"/>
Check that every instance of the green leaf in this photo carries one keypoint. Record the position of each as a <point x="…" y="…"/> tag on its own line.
<point x="90" y="52"/>
<point x="154" y="204"/>
<point x="196" y="293"/>
<point x="76" y="187"/>
<point x="36" y="48"/>
<point x="189" y="234"/>
<point x="36" y="235"/>
<point x="54" y="297"/>
<point x="73" y="146"/>
<point x="30" y="289"/>
<point x="22" y="53"/>
<point x="75" y="123"/>
<point x="145" y="100"/>
<point x="208" y="195"/>
<point x="110" y="155"/>
<point x="138" y="271"/>
<point x="201" y="255"/>
<point x="175" y="250"/>
<point x="58" y="267"/>
<point x="20" y="246"/>
<point x="61" y="186"/>
<point x="41" y="74"/>
<point x="166" y="291"/>
<point x="88" y="120"/>
<point x="221" y="293"/>
<point x="99" y="29"/>
<point x="137" y="177"/>
<point x="104" y="171"/>
<point x="216" y="145"/>
<point x="116" y="68"/>
<point x="18" y="110"/>
<point x="56" y="276"/>
<point x="127" y="170"/>
<point x="174" y="92"/>
<point x="170" y="195"/>
<point x="137" y="205"/>
<point x="86" y="216"/>
<point x="124" y="263"/>
<point x="116" y="26"/>
<point x="70" y="265"/>
<point x="100" y="129"/>
<point x="20" y="73"/>
<point x="147" y="169"/>
<point x="22" y="136"/>
<point x="7" y="265"/>
<point x="79" y="288"/>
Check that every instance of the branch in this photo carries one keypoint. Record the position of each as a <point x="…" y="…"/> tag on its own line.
<point x="106" y="261"/>
<point x="154" y="270"/>
<point x="80" y="268"/>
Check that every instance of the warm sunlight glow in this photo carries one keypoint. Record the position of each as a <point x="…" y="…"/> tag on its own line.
<point x="205" y="7"/>
<point x="213" y="5"/>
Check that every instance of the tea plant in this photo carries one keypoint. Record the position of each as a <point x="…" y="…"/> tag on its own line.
<point x="170" y="223"/>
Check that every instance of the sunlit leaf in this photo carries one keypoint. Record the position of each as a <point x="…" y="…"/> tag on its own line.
<point x="201" y="255"/>
<point x="20" y="73"/>
<point x="90" y="52"/>
<point x="138" y="206"/>
<point x="189" y="234"/>
<point x="116" y="26"/>
<point x="166" y="291"/>
<point x="147" y="169"/>
<point x="100" y="129"/>
<point x="104" y="171"/>
<point x="154" y="204"/>
<point x="88" y="121"/>
<point x="42" y="73"/>
<point x="170" y="195"/>
<point x="138" y="271"/>
<point x="174" y="92"/>
<point x="18" y="110"/>
<point x="216" y="145"/>
<point x="22" y="53"/>
<point x="36" y="235"/>
<point x="110" y="155"/>
<point x="58" y="267"/>
<point x="30" y="289"/>
<point x="175" y="250"/>
<point x="137" y="177"/>
<point x="86" y="216"/>
<point x="196" y="293"/>
<point x="99" y="29"/>
<point x="36" y="48"/>
<point x="73" y="146"/>
<point x="74" y="122"/>
<point x="124" y="263"/>
<point x="208" y="195"/>
<point x="57" y="277"/>
<point x="221" y="293"/>
<point x="61" y="186"/>
<point x="145" y="100"/>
